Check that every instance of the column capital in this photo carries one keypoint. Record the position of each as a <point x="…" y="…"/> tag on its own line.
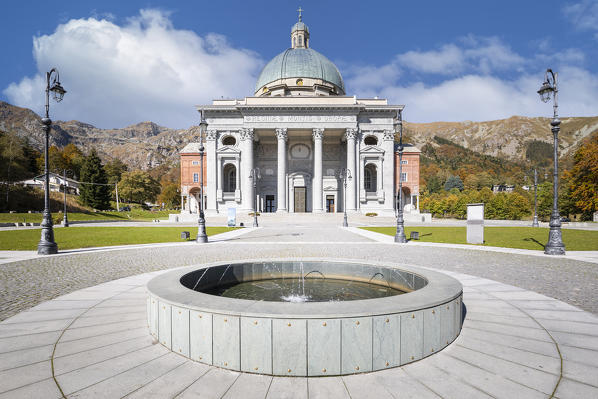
<point x="318" y="134"/>
<point x="389" y="135"/>
<point x="246" y="134"/>
<point x="351" y="134"/>
<point x="281" y="133"/>
<point x="211" y="134"/>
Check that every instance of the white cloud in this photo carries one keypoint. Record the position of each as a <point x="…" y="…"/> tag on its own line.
<point x="446" y="61"/>
<point x="143" y="70"/>
<point x="473" y="86"/>
<point x="480" y="54"/>
<point x="583" y="15"/>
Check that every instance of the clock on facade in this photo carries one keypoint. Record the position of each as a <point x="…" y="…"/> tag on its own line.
<point x="300" y="151"/>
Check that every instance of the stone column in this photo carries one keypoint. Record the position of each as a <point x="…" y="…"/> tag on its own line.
<point x="388" y="171"/>
<point x="247" y="195"/>
<point x="211" y="172"/>
<point x="351" y="136"/>
<point x="317" y="200"/>
<point x="281" y="136"/>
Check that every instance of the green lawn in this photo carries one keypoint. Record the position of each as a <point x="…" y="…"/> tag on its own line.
<point x="509" y="237"/>
<point x="134" y="214"/>
<point x="83" y="237"/>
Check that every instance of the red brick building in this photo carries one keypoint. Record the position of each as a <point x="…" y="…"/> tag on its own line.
<point x="410" y="170"/>
<point x="190" y="177"/>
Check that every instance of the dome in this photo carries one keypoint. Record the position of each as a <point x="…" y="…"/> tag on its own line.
<point x="300" y="63"/>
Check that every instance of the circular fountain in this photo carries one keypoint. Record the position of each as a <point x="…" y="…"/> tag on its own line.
<point x="304" y="318"/>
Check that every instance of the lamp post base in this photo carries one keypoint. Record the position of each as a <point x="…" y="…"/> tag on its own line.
<point x="202" y="237"/>
<point x="47" y="245"/>
<point x="345" y="222"/>
<point x="555" y="245"/>
<point x="535" y="222"/>
<point x="400" y="235"/>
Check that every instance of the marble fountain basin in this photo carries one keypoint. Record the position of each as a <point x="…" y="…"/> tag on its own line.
<point x="324" y="338"/>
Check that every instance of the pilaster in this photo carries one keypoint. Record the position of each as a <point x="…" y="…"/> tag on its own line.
<point x="247" y="196"/>
<point x="351" y="184"/>
<point x="281" y="190"/>
<point x="317" y="200"/>
<point x="388" y="165"/>
<point x="211" y="171"/>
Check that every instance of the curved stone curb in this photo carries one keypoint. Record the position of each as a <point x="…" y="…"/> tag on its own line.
<point x="514" y="343"/>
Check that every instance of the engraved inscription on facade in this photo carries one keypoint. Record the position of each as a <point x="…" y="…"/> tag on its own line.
<point x="299" y="118"/>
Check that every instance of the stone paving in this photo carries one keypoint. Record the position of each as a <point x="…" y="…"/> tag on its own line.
<point x="515" y="342"/>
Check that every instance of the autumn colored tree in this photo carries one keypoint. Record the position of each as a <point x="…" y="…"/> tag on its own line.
<point x="138" y="186"/>
<point x="170" y="195"/>
<point x="583" y="177"/>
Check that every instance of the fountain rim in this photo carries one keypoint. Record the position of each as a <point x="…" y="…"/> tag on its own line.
<point x="440" y="289"/>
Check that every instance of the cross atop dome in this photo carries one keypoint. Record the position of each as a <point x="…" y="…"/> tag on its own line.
<point x="300" y="33"/>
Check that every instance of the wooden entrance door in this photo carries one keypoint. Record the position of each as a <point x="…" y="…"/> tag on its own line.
<point x="300" y="199"/>
<point x="269" y="203"/>
<point x="330" y="203"/>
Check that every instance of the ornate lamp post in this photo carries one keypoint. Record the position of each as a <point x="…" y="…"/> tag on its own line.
<point x="65" y="219"/>
<point x="47" y="245"/>
<point x="345" y="174"/>
<point x="202" y="237"/>
<point x="254" y="175"/>
<point x="400" y="234"/>
<point x="555" y="245"/>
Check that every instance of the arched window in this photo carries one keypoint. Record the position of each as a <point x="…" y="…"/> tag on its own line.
<point x="229" y="140"/>
<point x="370" y="140"/>
<point x="294" y="44"/>
<point x="300" y="40"/>
<point x="369" y="178"/>
<point x="230" y="178"/>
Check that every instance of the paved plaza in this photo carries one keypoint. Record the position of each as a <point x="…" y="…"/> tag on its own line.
<point x="530" y="330"/>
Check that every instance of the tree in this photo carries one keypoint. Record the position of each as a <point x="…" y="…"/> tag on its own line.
<point x="434" y="184"/>
<point x="544" y="200"/>
<point x="453" y="182"/>
<point x="114" y="170"/>
<point x="74" y="158"/>
<point x="170" y="195"/>
<point x="17" y="162"/>
<point x="96" y="195"/>
<point x="583" y="177"/>
<point x="138" y="186"/>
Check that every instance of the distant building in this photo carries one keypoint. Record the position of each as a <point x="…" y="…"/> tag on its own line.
<point x="57" y="183"/>
<point x="503" y="188"/>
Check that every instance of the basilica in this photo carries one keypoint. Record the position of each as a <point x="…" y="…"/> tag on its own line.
<point x="297" y="134"/>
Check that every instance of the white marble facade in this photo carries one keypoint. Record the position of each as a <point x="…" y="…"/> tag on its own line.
<point x="299" y="145"/>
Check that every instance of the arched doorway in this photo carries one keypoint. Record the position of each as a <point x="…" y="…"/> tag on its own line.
<point x="370" y="178"/>
<point x="229" y="185"/>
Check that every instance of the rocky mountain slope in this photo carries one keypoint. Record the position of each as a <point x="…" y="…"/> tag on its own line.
<point x="146" y="145"/>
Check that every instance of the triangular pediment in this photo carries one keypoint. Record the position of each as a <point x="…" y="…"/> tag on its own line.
<point x="227" y="149"/>
<point x="372" y="149"/>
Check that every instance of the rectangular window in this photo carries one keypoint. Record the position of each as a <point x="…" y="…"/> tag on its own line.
<point x="195" y="177"/>
<point x="404" y="162"/>
<point x="195" y="163"/>
<point x="404" y="176"/>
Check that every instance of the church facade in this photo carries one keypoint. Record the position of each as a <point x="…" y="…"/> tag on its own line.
<point x="297" y="132"/>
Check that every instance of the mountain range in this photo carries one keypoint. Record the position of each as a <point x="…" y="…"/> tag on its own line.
<point x="146" y="145"/>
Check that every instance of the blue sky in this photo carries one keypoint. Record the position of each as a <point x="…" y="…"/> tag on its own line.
<point x="123" y="62"/>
